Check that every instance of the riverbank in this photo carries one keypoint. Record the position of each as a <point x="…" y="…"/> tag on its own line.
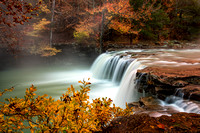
<point x="168" y="44"/>
<point x="167" y="73"/>
<point x="143" y="123"/>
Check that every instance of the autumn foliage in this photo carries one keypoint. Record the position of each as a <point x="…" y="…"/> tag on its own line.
<point x="16" y="11"/>
<point x="71" y="113"/>
<point x="119" y="16"/>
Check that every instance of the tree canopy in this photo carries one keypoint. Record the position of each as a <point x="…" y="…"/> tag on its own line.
<point x="95" y="21"/>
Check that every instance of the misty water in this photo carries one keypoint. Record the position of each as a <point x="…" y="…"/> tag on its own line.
<point x="112" y="74"/>
<point x="51" y="75"/>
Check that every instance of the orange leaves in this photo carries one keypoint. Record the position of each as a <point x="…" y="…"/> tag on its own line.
<point x="125" y="16"/>
<point x="160" y="125"/>
<point x="121" y="16"/>
<point x="5" y="90"/>
<point x="32" y="88"/>
<point x="12" y="11"/>
<point x="85" y="83"/>
<point x="73" y="113"/>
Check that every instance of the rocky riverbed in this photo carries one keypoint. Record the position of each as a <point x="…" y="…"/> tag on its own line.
<point x="172" y="71"/>
<point x="168" y="73"/>
<point x="143" y="123"/>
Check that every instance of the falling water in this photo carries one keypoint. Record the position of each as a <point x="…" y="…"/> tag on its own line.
<point x="185" y="104"/>
<point x="120" y="69"/>
<point x="114" y="77"/>
<point x="127" y="89"/>
<point x="110" y="66"/>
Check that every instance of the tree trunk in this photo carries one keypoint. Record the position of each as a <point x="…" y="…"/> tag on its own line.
<point x="102" y="32"/>
<point x="131" y="38"/>
<point x="52" y="16"/>
<point x="93" y="4"/>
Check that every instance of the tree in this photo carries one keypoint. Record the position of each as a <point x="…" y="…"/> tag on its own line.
<point x="185" y="19"/>
<point x="158" y="26"/>
<point x="52" y="20"/>
<point x="71" y="113"/>
<point x="16" y="11"/>
<point x="119" y="15"/>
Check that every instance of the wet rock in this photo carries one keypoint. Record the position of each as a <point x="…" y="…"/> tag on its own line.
<point x="191" y="92"/>
<point x="149" y="101"/>
<point x="179" y="83"/>
<point x="134" y="104"/>
<point x="163" y="82"/>
<point x="152" y="106"/>
<point x="143" y="123"/>
<point x="195" y="96"/>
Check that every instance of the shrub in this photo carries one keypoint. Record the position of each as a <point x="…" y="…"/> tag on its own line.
<point x="81" y="36"/>
<point x="71" y="113"/>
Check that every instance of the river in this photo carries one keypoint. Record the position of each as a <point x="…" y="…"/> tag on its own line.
<point x="51" y="75"/>
<point x="112" y="74"/>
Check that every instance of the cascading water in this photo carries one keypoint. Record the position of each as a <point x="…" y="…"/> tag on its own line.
<point x="127" y="89"/>
<point x="110" y="66"/>
<point x="185" y="105"/>
<point x="116" y="71"/>
<point x="119" y="68"/>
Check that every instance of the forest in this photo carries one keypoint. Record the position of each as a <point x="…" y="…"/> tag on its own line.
<point x="35" y="26"/>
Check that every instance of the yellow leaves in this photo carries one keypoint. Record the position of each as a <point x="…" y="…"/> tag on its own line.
<point x="152" y="126"/>
<point x="122" y="27"/>
<point x="5" y="90"/>
<point x="32" y="131"/>
<point x="32" y="89"/>
<point x="122" y="16"/>
<point x="44" y="50"/>
<point x="49" y="51"/>
<point x="73" y="113"/>
<point x="44" y="8"/>
<point x="38" y="27"/>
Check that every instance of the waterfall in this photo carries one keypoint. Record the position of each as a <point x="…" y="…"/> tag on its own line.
<point x="127" y="89"/>
<point x="110" y="66"/>
<point x="120" y="69"/>
<point x="99" y="65"/>
<point x="184" y="105"/>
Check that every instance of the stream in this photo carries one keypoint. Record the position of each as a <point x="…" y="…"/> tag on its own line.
<point x="112" y="74"/>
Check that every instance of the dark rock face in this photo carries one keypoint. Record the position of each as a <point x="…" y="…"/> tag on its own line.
<point x="152" y="107"/>
<point x="192" y="92"/>
<point x="162" y="82"/>
<point x="143" y="123"/>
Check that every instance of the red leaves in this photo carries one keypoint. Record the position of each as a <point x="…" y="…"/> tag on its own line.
<point x="12" y="11"/>
<point x="161" y="126"/>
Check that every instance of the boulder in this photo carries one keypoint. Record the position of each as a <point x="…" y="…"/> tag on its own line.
<point x="162" y="82"/>
<point x="143" y="123"/>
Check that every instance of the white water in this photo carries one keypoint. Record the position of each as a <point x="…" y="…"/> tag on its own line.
<point x="127" y="89"/>
<point x="114" y="76"/>
<point x="121" y="71"/>
<point x="109" y="65"/>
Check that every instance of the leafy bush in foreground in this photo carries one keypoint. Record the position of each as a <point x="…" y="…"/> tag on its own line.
<point x="72" y="113"/>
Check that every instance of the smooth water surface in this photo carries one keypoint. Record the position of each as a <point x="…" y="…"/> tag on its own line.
<point x="52" y="75"/>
